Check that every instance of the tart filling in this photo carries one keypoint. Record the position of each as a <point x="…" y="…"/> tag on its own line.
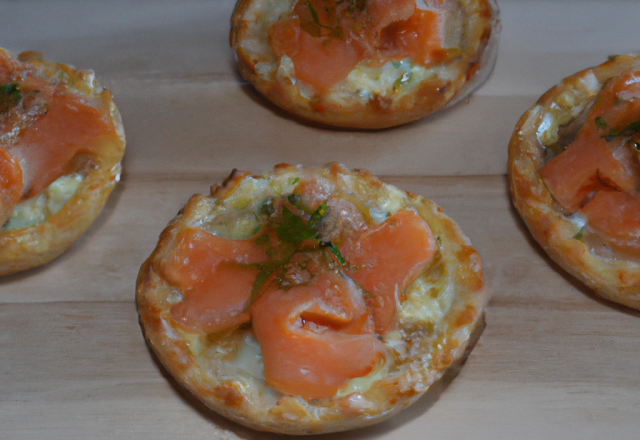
<point x="309" y="300"/>
<point x="574" y="172"/>
<point x="61" y="142"/>
<point x="332" y="54"/>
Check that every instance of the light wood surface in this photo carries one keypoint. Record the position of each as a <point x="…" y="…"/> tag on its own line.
<point x="553" y="361"/>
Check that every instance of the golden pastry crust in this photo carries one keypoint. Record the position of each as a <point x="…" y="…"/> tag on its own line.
<point x="31" y="246"/>
<point x="616" y="279"/>
<point x="356" y="103"/>
<point x="434" y="322"/>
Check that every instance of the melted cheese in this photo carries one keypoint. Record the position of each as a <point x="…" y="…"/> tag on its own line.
<point x="38" y="209"/>
<point x="427" y="299"/>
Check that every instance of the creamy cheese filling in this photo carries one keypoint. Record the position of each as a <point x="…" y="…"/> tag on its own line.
<point x="426" y="301"/>
<point x="38" y="209"/>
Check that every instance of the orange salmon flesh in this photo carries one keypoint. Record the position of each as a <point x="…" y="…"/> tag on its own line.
<point x="598" y="174"/>
<point x="319" y="332"/>
<point x="326" y="39"/>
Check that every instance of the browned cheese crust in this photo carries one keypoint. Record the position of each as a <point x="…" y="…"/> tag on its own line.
<point x="28" y="247"/>
<point x="613" y="278"/>
<point x="434" y="323"/>
<point x="355" y="104"/>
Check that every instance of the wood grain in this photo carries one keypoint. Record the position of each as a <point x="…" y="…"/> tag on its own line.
<point x="553" y="361"/>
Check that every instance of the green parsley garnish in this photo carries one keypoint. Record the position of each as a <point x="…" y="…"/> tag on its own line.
<point x="293" y="180"/>
<point x="396" y="64"/>
<point x="291" y="230"/>
<point x="336" y="252"/>
<point x="629" y="130"/>
<point x="267" y="208"/>
<point x="10" y="96"/>
<point x="314" y="16"/>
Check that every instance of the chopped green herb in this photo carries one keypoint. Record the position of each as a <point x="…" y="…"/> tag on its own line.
<point x="293" y="229"/>
<point x="578" y="236"/>
<point x="267" y="208"/>
<point x="396" y="64"/>
<point x="369" y="293"/>
<point x="357" y="5"/>
<point x="402" y="80"/>
<point x="629" y="130"/>
<point x="10" y="96"/>
<point x="336" y="252"/>
<point x="266" y="270"/>
<point x="314" y="16"/>
<point x="318" y="214"/>
<point x="295" y="200"/>
<point x="263" y="240"/>
<point x="337" y="32"/>
<point x="600" y="123"/>
<point x="293" y="180"/>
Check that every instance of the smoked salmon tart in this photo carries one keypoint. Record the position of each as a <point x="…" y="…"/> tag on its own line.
<point x="365" y="63"/>
<point x="309" y="300"/>
<point x="61" y="142"/>
<point x="574" y="174"/>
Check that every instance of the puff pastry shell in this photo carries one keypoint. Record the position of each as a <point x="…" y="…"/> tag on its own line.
<point x="370" y="97"/>
<point x="616" y="279"/>
<point x="434" y="321"/>
<point x="27" y="247"/>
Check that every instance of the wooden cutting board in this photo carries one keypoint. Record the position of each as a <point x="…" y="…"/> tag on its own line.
<point x="554" y="362"/>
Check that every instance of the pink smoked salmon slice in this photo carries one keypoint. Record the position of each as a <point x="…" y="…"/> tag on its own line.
<point x="46" y="147"/>
<point x="215" y="287"/>
<point x="615" y="216"/>
<point x="590" y="163"/>
<point x="321" y="62"/>
<point x="386" y="30"/>
<point x="419" y="38"/>
<point x="10" y="185"/>
<point x="315" y="337"/>
<point x="385" y="259"/>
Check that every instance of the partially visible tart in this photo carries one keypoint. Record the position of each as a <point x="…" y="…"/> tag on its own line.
<point x="365" y="63"/>
<point x="574" y="174"/>
<point x="309" y="300"/>
<point x="61" y="142"/>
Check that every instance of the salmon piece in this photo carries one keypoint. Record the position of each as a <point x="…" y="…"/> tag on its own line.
<point x="328" y="39"/>
<point x="420" y="37"/>
<point x="385" y="259"/>
<point x="215" y="287"/>
<point x="320" y="62"/>
<point x="45" y="147"/>
<point x="10" y="185"/>
<point x="592" y="162"/>
<point x="586" y="166"/>
<point x="382" y="13"/>
<point x="615" y="216"/>
<point x="315" y="337"/>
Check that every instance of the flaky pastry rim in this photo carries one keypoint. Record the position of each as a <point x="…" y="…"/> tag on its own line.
<point x="470" y="292"/>
<point x="617" y="280"/>
<point x="33" y="246"/>
<point x="472" y="69"/>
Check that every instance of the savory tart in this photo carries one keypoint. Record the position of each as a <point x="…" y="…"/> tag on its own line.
<point x="365" y="63"/>
<point x="575" y="176"/>
<point x="309" y="300"/>
<point x="61" y="142"/>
